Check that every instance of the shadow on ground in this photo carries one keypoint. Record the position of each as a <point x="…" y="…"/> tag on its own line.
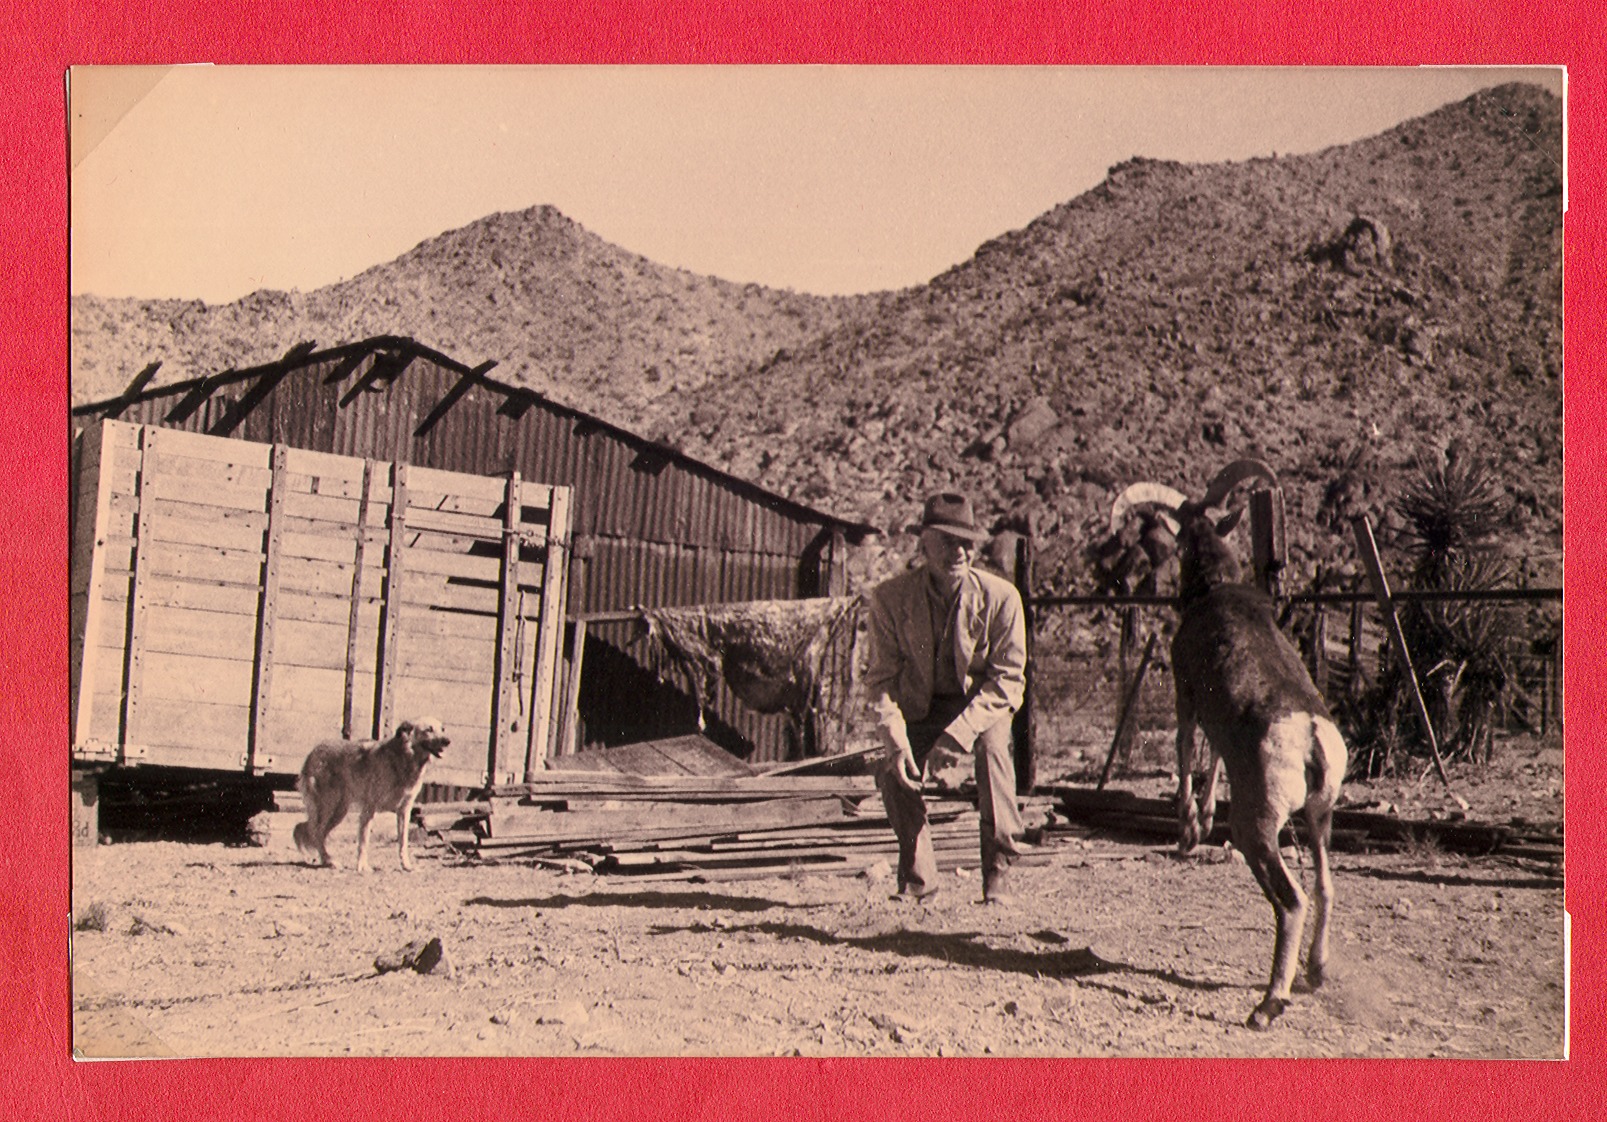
<point x="669" y="900"/>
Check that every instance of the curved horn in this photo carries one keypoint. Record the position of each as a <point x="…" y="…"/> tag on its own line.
<point x="1137" y="495"/>
<point x="1233" y="475"/>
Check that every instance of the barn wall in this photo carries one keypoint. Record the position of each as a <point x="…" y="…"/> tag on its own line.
<point x="650" y="529"/>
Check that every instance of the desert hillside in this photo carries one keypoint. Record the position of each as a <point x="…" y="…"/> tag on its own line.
<point x="558" y="308"/>
<point x="1339" y="314"/>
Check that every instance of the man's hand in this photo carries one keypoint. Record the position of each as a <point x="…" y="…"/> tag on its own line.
<point x="905" y="772"/>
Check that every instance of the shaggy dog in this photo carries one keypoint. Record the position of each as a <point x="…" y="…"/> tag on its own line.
<point x="376" y="775"/>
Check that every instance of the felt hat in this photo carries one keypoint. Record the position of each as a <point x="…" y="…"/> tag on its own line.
<point x="952" y="514"/>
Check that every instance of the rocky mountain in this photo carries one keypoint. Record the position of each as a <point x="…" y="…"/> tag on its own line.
<point x="560" y="309"/>
<point x="1340" y="314"/>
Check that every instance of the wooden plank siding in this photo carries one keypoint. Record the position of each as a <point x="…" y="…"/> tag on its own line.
<point x="664" y="528"/>
<point x="234" y="603"/>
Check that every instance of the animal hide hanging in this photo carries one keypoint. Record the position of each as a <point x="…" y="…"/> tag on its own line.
<point x="769" y="652"/>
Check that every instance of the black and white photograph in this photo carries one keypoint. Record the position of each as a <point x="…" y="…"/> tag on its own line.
<point x="816" y="561"/>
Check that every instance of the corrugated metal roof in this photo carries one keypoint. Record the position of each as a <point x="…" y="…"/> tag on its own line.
<point x="355" y="362"/>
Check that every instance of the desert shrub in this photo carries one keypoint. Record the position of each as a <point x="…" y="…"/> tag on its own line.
<point x="1464" y="650"/>
<point x="93" y="917"/>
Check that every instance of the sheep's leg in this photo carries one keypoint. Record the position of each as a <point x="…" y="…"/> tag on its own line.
<point x="1208" y="797"/>
<point x="1255" y="833"/>
<point x="1319" y="820"/>
<point x="1327" y="771"/>
<point x="1187" y="815"/>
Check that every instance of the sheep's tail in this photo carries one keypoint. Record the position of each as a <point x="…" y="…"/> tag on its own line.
<point x="1326" y="763"/>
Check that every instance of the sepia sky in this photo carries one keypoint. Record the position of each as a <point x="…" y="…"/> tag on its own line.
<point x="211" y="182"/>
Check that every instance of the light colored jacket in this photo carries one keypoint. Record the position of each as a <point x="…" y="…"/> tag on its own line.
<point x="990" y="654"/>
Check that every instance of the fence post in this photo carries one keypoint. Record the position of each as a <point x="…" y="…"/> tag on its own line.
<point x="1268" y="546"/>
<point x="1319" y="648"/>
<point x="1024" y="733"/>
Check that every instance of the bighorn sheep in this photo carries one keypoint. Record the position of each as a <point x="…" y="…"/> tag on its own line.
<point x="1241" y="680"/>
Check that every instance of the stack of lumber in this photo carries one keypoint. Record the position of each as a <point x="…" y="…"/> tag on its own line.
<point x="1354" y="830"/>
<point x="703" y="815"/>
<point x="686" y="826"/>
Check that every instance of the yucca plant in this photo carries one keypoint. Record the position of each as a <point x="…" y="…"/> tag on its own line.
<point x="1463" y="648"/>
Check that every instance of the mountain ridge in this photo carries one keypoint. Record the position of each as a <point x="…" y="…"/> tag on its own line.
<point x="1341" y="313"/>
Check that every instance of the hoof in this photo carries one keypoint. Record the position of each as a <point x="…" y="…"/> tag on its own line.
<point x="1315" y="973"/>
<point x="1262" y="1016"/>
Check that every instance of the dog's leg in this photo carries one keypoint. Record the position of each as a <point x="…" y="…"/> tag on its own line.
<point x="330" y="816"/>
<point x="403" y="814"/>
<point x="306" y="836"/>
<point x="365" y="819"/>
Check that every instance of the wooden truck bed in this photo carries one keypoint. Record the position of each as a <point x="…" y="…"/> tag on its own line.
<point x="233" y="603"/>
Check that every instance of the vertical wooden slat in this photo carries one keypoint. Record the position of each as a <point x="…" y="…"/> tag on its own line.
<point x="836" y="582"/>
<point x="267" y="615"/>
<point x="551" y="626"/>
<point x="94" y="483"/>
<point x="354" y="624"/>
<point x="139" y="597"/>
<point x="504" y="697"/>
<point x="569" y="716"/>
<point x="390" y="640"/>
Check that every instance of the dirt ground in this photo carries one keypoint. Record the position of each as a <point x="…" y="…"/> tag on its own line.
<point x="1113" y="949"/>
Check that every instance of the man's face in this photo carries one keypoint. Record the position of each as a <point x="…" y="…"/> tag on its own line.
<point x="947" y="557"/>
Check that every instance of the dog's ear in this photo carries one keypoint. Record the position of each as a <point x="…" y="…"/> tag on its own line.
<point x="406" y="729"/>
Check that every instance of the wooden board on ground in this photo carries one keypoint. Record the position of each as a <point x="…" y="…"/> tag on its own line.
<point x="532" y="824"/>
<point x="681" y="755"/>
<point x="690" y="788"/>
<point x="1352" y="829"/>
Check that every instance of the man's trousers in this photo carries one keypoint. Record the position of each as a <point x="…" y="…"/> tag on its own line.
<point x="994" y="760"/>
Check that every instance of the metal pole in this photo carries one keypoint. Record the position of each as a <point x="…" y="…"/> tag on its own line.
<point x="1392" y="624"/>
<point x="1129" y="704"/>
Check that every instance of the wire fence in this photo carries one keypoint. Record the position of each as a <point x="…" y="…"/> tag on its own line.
<point x="1102" y="696"/>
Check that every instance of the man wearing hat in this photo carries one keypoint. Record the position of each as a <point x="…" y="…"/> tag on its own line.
<point x="947" y="665"/>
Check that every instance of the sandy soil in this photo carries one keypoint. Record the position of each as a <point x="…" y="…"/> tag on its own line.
<point x="1113" y="949"/>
